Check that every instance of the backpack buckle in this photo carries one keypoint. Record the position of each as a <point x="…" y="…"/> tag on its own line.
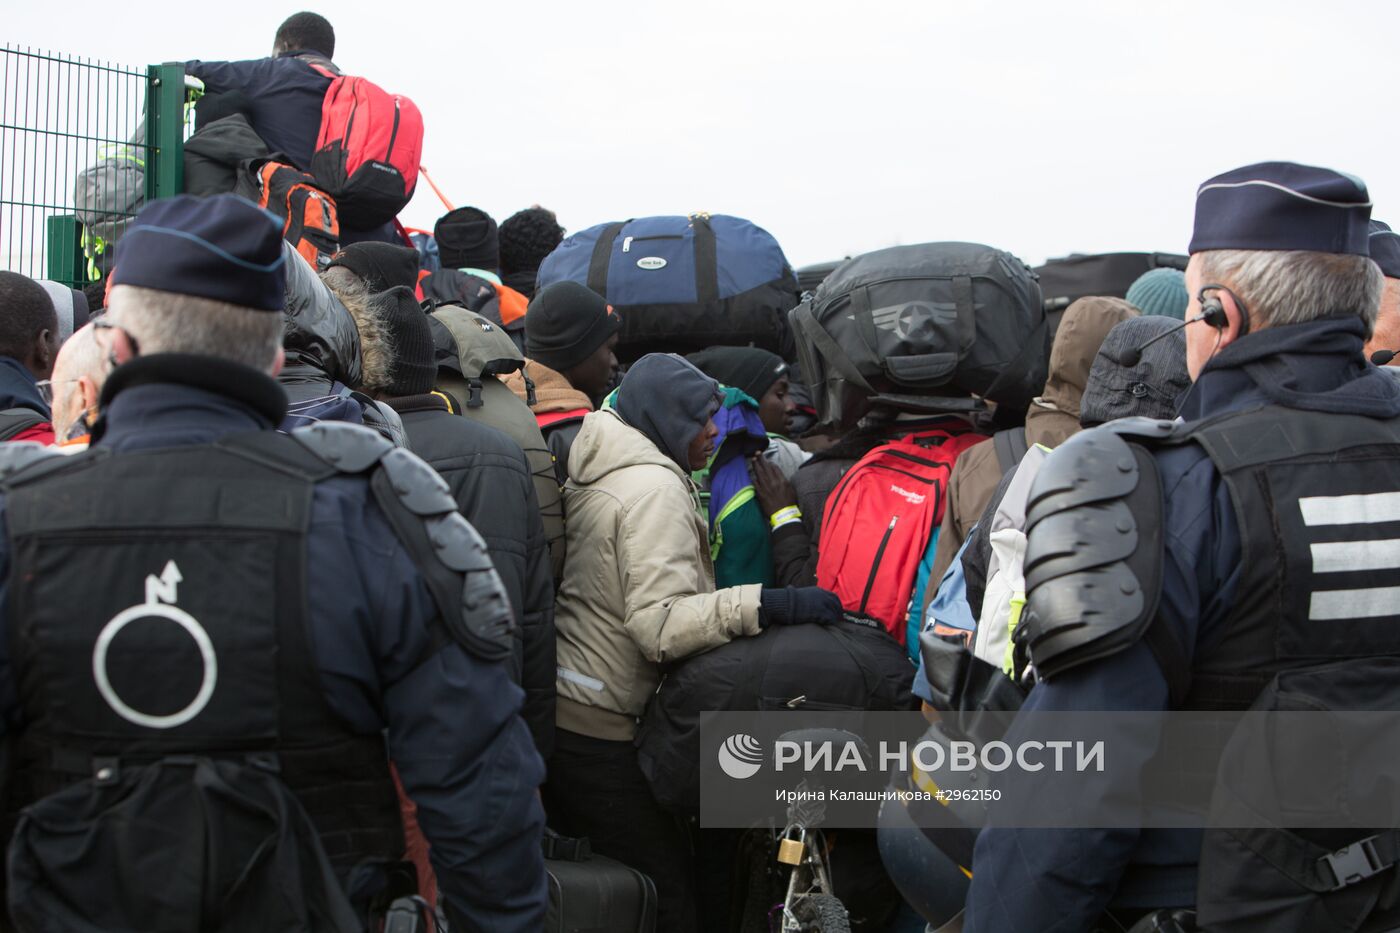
<point x="1353" y="864"/>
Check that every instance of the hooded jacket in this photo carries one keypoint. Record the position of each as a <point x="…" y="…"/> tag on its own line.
<point x="638" y="588"/>
<point x="559" y="409"/>
<point x="739" y="537"/>
<point x="1051" y="420"/>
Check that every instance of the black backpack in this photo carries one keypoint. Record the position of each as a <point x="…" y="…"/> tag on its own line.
<point x="900" y="326"/>
<point x="15" y="421"/>
<point x="798" y="667"/>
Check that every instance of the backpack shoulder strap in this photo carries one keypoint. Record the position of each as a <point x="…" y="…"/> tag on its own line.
<point x="444" y="546"/>
<point x="1011" y="448"/>
<point x="15" y="420"/>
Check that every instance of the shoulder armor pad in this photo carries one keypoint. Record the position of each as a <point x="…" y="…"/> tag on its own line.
<point x="419" y="487"/>
<point x="486" y="622"/>
<point x="472" y="602"/>
<point x="17" y="455"/>
<point x="1148" y="429"/>
<point x="350" y="448"/>
<point x="1093" y="563"/>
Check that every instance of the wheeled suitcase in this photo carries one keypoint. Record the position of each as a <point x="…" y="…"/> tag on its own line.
<point x="594" y="894"/>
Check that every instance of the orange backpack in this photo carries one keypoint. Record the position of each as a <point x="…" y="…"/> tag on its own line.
<point x="308" y="213"/>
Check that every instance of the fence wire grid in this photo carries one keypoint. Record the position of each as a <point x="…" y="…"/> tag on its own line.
<point x="72" y="145"/>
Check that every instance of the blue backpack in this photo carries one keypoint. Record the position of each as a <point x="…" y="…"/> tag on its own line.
<point x="683" y="283"/>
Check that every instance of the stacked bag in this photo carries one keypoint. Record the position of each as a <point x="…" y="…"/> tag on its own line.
<point x="682" y="284"/>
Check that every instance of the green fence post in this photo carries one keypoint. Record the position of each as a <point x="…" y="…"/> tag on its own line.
<point x="65" y="254"/>
<point x="165" y="130"/>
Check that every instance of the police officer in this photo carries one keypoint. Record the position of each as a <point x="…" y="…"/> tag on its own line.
<point x="1284" y="409"/>
<point x="198" y="591"/>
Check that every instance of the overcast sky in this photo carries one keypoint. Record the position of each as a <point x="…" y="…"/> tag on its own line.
<point x="1039" y="127"/>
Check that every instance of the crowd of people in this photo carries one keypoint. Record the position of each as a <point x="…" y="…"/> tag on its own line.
<point x="446" y="574"/>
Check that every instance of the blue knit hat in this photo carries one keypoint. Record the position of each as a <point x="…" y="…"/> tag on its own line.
<point x="1161" y="292"/>
<point x="1385" y="249"/>
<point x="1283" y="206"/>
<point x="221" y="247"/>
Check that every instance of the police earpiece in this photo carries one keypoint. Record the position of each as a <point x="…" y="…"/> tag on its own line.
<point x="1213" y="309"/>
<point x="1212" y="313"/>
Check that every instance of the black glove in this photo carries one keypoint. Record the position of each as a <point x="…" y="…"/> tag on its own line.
<point x="793" y="605"/>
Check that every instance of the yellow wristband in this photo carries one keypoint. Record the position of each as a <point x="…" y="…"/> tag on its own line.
<point x="785" y="516"/>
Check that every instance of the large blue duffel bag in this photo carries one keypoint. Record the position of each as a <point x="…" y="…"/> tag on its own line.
<point x="683" y="283"/>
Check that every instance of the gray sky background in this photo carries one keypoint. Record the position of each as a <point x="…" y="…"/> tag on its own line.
<point x="1039" y="127"/>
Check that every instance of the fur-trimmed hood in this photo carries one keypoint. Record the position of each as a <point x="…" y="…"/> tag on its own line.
<point x="376" y="349"/>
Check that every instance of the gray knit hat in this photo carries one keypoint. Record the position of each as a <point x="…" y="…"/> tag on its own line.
<point x="1150" y="388"/>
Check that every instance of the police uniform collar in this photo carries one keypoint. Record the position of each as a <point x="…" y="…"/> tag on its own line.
<point x="232" y="380"/>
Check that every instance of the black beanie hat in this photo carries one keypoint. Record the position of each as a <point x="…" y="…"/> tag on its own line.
<point x="467" y="239"/>
<point x="748" y="369"/>
<point x="381" y="265"/>
<point x="414" y="369"/>
<point x="565" y="323"/>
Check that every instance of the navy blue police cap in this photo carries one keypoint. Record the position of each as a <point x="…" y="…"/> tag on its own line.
<point x="1283" y="206"/>
<point x="222" y="247"/>
<point x="1385" y="249"/>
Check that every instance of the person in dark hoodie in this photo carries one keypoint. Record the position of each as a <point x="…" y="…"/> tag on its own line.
<point x="571" y="360"/>
<point x="1290" y="438"/>
<point x="469" y="253"/>
<point x="28" y="346"/>
<point x="527" y="237"/>
<point x="638" y="593"/>
<point x="490" y="479"/>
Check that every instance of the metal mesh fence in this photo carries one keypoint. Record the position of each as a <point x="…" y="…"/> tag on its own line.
<point x="72" y="146"/>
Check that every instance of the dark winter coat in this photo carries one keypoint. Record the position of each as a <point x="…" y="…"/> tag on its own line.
<point x="284" y="98"/>
<point x="490" y="479"/>
<point x="212" y="154"/>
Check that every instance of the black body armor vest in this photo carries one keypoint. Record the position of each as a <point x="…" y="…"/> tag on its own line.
<point x="157" y="606"/>
<point x="1317" y="500"/>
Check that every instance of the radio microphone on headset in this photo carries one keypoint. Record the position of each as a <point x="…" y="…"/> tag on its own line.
<point x="1212" y="312"/>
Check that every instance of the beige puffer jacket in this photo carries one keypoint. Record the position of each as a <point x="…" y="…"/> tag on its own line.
<point x="638" y="588"/>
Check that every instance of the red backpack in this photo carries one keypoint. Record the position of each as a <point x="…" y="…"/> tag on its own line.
<point x="879" y="521"/>
<point x="368" y="150"/>
<point x="309" y="219"/>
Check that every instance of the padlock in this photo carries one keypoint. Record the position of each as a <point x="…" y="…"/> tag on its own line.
<point x="790" y="851"/>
